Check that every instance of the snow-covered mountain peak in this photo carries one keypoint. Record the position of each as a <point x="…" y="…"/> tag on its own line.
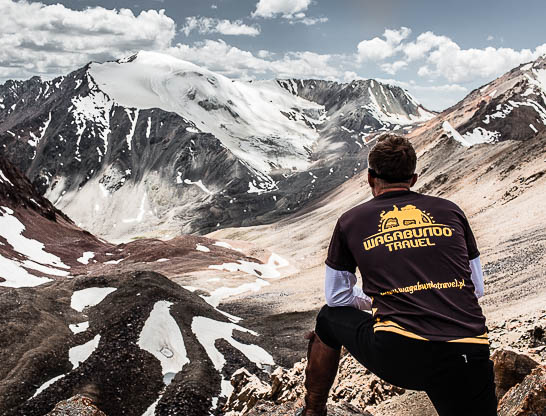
<point x="152" y="141"/>
<point x="260" y="122"/>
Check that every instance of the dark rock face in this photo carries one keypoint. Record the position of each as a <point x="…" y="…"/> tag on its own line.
<point x="69" y="137"/>
<point x="527" y="398"/>
<point x="510" y="369"/>
<point x="16" y="190"/>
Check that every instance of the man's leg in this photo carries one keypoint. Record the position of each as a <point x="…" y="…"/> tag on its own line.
<point x="321" y="370"/>
<point x="335" y="327"/>
<point x="464" y="384"/>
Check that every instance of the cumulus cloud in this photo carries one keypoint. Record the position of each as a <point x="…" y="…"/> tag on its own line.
<point x="462" y="65"/>
<point x="441" y="57"/>
<point x="292" y="10"/>
<point x="48" y="40"/>
<point x="378" y="49"/>
<point x="285" y="8"/>
<point x="394" y="67"/>
<point x="205" y="25"/>
<point x="221" y="57"/>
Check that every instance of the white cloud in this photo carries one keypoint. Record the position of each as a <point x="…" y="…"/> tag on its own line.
<point x="424" y="43"/>
<point x="285" y="8"/>
<point x="378" y="49"/>
<point x="393" y="68"/>
<point x="441" y="57"/>
<point x="49" y="40"/>
<point x="234" y="62"/>
<point x="463" y="65"/>
<point x="309" y="21"/>
<point x="205" y="25"/>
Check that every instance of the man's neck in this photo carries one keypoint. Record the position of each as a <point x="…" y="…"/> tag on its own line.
<point x="385" y="190"/>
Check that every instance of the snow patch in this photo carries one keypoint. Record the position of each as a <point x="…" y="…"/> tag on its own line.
<point x="47" y="384"/>
<point x="448" y="128"/>
<point x="266" y="271"/>
<point x="199" y="183"/>
<point x="77" y="328"/>
<point x="209" y="330"/>
<point x="80" y="353"/>
<point x="3" y="178"/>
<point x="225" y="245"/>
<point x="148" y="127"/>
<point x="218" y="295"/>
<point x="200" y="247"/>
<point x="86" y="256"/>
<point x="114" y="261"/>
<point x="14" y="271"/>
<point x="133" y="118"/>
<point x="161" y="337"/>
<point x="89" y="297"/>
<point x="480" y="135"/>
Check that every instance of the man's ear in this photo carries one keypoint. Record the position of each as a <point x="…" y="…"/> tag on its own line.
<point x="414" y="179"/>
<point x="371" y="180"/>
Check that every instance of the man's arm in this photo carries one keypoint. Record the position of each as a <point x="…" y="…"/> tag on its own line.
<point x="477" y="276"/>
<point x="341" y="290"/>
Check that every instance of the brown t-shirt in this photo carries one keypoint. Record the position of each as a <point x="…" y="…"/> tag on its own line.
<point x="413" y="253"/>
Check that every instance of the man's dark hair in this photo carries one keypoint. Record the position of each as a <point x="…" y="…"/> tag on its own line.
<point x="392" y="159"/>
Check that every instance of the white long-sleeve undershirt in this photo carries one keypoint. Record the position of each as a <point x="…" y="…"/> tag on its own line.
<point x="341" y="290"/>
<point x="477" y="276"/>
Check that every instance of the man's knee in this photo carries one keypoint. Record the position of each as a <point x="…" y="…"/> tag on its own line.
<point x="323" y="327"/>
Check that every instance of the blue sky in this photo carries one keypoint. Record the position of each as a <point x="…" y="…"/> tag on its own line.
<point x="438" y="50"/>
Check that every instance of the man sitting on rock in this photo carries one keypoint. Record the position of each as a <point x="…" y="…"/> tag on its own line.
<point x="421" y="279"/>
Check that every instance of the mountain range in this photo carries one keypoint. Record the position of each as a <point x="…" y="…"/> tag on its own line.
<point x="136" y="148"/>
<point x="153" y="141"/>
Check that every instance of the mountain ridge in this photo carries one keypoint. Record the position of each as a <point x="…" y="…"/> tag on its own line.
<point x="206" y="160"/>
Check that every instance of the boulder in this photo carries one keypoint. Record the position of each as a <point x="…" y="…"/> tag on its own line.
<point x="527" y="398"/>
<point x="510" y="369"/>
<point x="247" y="390"/>
<point x="77" y="405"/>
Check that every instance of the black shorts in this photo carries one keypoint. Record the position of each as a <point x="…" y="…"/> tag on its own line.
<point x="457" y="377"/>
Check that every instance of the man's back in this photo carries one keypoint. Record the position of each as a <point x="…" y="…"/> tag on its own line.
<point x="421" y="278"/>
<point x="413" y="252"/>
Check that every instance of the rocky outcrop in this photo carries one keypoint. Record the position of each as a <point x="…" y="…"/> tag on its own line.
<point x="510" y="369"/>
<point x="76" y="406"/>
<point x="527" y="398"/>
<point x="288" y="409"/>
<point x="354" y="391"/>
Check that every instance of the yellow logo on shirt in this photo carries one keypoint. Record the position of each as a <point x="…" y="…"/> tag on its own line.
<point x="406" y="227"/>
